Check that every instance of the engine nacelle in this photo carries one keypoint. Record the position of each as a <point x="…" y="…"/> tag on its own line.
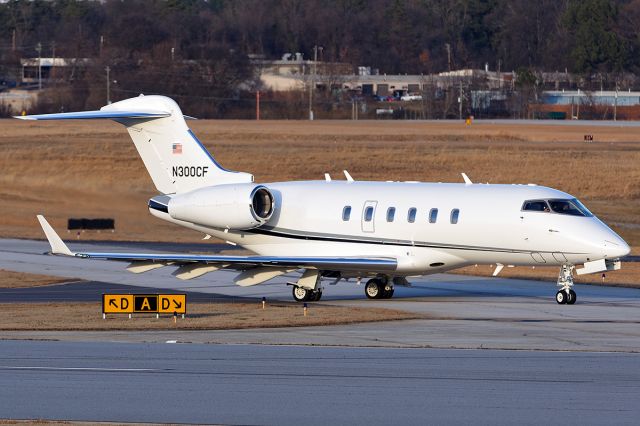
<point x="233" y="206"/>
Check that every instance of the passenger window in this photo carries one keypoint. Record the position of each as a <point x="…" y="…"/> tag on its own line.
<point x="346" y="213"/>
<point x="368" y="214"/>
<point x="391" y="212"/>
<point x="411" y="216"/>
<point x="536" y="206"/>
<point x="433" y="215"/>
<point x="454" y="216"/>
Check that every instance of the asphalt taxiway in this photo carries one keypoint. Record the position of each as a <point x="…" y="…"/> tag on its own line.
<point x="459" y="311"/>
<point x="520" y="358"/>
<point x="239" y="384"/>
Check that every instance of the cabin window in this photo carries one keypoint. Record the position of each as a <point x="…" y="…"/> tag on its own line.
<point x="346" y="213"/>
<point x="454" y="216"/>
<point x="391" y="212"/>
<point x="368" y="214"/>
<point x="569" y="207"/>
<point x="411" y="215"/>
<point x="433" y="215"/>
<point x="536" y="206"/>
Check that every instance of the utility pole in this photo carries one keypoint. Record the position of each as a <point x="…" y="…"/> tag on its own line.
<point x="615" y="105"/>
<point x="107" y="69"/>
<point x="448" y="47"/>
<point x="258" y="105"/>
<point x="313" y="79"/>
<point x="53" y="62"/>
<point x="39" y="49"/>
<point x="13" y="40"/>
<point x="460" y="101"/>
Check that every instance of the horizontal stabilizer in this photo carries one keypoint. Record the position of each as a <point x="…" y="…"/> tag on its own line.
<point x="92" y="115"/>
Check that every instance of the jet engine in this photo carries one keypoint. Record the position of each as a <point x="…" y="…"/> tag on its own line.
<point x="233" y="206"/>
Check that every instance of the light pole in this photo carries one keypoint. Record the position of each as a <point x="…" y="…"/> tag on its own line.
<point x="313" y="79"/>
<point x="39" y="49"/>
<point x="107" y="69"/>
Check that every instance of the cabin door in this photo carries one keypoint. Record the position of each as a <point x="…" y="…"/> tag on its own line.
<point x="368" y="216"/>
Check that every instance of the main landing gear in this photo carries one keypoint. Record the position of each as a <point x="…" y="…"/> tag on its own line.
<point x="566" y="295"/>
<point x="301" y="294"/>
<point x="378" y="288"/>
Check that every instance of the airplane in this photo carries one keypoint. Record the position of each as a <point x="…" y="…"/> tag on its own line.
<point x="383" y="232"/>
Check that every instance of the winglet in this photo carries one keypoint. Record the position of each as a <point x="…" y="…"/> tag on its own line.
<point x="467" y="181"/>
<point x="348" y="176"/>
<point x="57" y="245"/>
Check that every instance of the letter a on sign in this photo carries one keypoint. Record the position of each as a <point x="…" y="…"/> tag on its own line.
<point x="145" y="303"/>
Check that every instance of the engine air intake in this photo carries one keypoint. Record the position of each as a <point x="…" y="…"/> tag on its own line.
<point x="262" y="203"/>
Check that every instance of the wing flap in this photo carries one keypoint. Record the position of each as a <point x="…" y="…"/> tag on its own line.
<point x="243" y="262"/>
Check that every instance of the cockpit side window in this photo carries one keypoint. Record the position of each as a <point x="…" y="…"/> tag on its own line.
<point x="569" y="207"/>
<point x="536" y="206"/>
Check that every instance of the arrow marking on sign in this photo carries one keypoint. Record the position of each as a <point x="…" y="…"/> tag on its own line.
<point x="178" y="305"/>
<point x="112" y="302"/>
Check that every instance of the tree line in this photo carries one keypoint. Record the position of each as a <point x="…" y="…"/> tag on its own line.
<point x="197" y="49"/>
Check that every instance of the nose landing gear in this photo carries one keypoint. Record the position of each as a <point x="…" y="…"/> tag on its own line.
<point x="566" y="295"/>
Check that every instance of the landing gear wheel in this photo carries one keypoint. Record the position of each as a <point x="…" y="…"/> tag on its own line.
<point x="301" y="294"/>
<point x="387" y="292"/>
<point x="572" y="297"/>
<point x="561" y="297"/>
<point x="374" y="289"/>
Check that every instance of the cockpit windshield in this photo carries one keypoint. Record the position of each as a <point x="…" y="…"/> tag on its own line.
<point x="571" y="207"/>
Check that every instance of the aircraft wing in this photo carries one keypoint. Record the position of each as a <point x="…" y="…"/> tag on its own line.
<point x="141" y="262"/>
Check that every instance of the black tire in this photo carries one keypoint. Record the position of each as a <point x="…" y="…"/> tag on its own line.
<point x="316" y="296"/>
<point x="572" y="297"/>
<point x="561" y="297"/>
<point x="301" y="294"/>
<point x="374" y="289"/>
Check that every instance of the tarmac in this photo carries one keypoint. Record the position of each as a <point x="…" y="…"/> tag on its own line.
<point x="460" y="311"/>
<point x="301" y="385"/>
<point x="489" y="351"/>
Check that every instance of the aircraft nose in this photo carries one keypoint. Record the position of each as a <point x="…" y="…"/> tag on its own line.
<point x="616" y="248"/>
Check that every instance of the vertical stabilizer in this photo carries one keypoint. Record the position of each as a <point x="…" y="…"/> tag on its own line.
<point x="175" y="158"/>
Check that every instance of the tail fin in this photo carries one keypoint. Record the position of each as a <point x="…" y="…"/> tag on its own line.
<point x="174" y="157"/>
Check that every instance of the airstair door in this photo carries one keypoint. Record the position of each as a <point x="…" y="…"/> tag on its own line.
<point x="368" y="216"/>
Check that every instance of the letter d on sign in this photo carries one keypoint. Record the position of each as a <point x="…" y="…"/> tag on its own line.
<point x="166" y="304"/>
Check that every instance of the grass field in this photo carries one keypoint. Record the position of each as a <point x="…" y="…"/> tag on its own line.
<point x="11" y="279"/>
<point x="201" y="316"/>
<point x="91" y="169"/>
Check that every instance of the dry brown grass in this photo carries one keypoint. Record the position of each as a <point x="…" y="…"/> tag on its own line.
<point x="10" y="279"/>
<point x="92" y="169"/>
<point x="201" y="316"/>
<point x="628" y="276"/>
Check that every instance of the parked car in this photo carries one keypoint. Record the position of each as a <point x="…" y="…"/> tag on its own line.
<point x="411" y="97"/>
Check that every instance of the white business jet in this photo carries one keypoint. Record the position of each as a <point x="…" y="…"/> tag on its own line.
<point x="383" y="232"/>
